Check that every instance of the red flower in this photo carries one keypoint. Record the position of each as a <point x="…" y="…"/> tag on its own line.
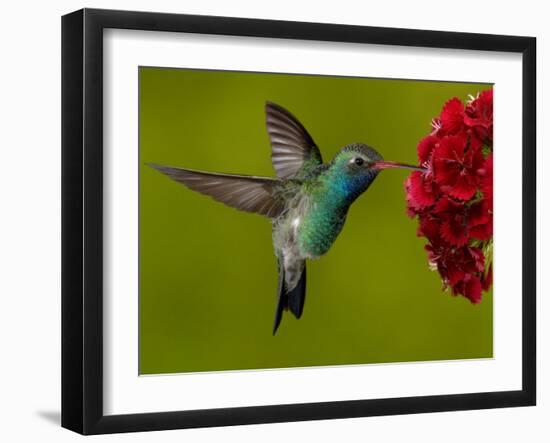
<point x="456" y="264"/>
<point x="484" y="230"/>
<point x="421" y="190"/>
<point x="454" y="226"/>
<point x="470" y="287"/>
<point x="486" y="181"/>
<point x="452" y="116"/>
<point x="480" y="220"/>
<point x="429" y="227"/>
<point x="479" y="116"/>
<point x="456" y="167"/>
<point x="471" y="262"/>
<point x="453" y="197"/>
<point x="460" y="222"/>
<point x="425" y="149"/>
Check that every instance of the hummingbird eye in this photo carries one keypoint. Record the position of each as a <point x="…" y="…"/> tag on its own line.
<point x="359" y="161"/>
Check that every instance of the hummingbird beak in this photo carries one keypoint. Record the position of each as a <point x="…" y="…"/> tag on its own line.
<point x="382" y="164"/>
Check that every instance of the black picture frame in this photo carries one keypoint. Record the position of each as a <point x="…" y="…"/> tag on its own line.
<point x="82" y="220"/>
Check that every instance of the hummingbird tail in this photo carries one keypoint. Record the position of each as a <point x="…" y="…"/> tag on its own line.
<point x="292" y="300"/>
<point x="297" y="296"/>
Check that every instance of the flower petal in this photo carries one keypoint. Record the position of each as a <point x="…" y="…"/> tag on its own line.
<point x="452" y="116"/>
<point x="426" y="147"/>
<point x="454" y="232"/>
<point x="420" y="193"/>
<point x="463" y="188"/>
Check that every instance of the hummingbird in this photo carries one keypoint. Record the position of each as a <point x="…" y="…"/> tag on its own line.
<point x="307" y="202"/>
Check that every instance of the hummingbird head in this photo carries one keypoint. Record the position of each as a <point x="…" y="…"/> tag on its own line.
<point x="356" y="166"/>
<point x="361" y="159"/>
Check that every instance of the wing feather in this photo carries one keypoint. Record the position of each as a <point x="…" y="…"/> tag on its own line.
<point x="243" y="192"/>
<point x="291" y="145"/>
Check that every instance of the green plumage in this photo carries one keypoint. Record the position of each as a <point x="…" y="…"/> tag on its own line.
<point x="316" y="206"/>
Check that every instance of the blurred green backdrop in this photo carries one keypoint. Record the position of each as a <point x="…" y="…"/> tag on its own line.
<point x="208" y="275"/>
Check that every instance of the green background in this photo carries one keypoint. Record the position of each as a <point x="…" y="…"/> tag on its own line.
<point x="208" y="275"/>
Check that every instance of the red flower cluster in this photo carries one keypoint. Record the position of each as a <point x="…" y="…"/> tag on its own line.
<point x="453" y="197"/>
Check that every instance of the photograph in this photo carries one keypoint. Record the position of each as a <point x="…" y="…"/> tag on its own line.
<point x="381" y="188"/>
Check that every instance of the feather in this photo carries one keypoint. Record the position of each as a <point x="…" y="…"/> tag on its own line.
<point x="281" y="299"/>
<point x="293" y="299"/>
<point x="291" y="145"/>
<point x="297" y="296"/>
<point x="246" y="193"/>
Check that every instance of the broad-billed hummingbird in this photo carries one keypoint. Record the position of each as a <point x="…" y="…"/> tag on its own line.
<point x="307" y="202"/>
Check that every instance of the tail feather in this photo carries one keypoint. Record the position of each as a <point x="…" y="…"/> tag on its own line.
<point x="293" y="299"/>
<point x="281" y="299"/>
<point x="297" y="297"/>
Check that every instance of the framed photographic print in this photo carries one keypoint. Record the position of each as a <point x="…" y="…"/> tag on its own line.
<point x="269" y="221"/>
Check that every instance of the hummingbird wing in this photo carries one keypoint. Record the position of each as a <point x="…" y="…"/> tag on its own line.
<point x="293" y="151"/>
<point x="243" y="192"/>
